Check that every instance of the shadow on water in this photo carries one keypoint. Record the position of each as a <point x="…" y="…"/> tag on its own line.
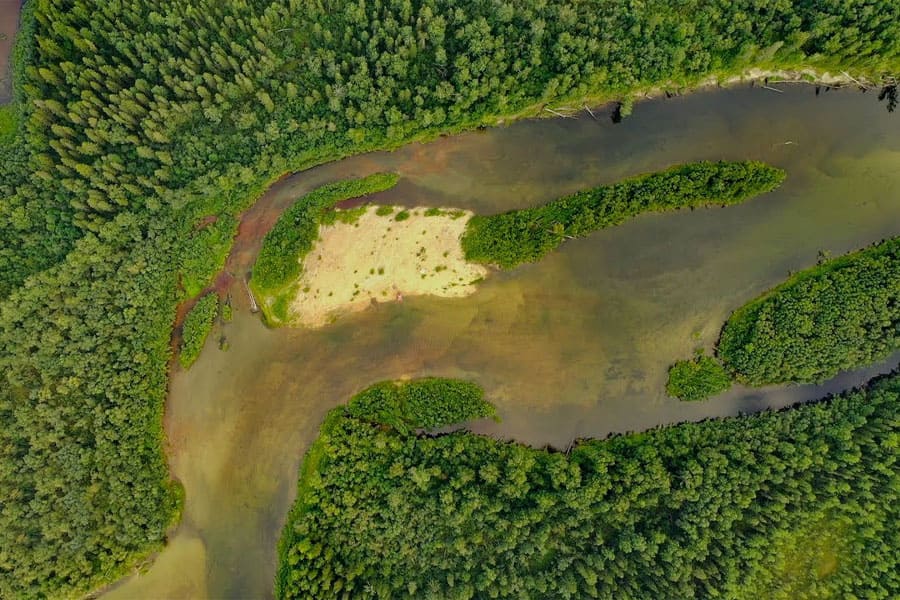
<point x="575" y="346"/>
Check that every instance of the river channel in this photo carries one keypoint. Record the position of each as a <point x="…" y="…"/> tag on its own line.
<point x="575" y="346"/>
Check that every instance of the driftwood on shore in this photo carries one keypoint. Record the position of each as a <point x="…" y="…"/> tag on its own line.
<point x="254" y="307"/>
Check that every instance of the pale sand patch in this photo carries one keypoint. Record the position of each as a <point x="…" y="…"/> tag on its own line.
<point x="380" y="259"/>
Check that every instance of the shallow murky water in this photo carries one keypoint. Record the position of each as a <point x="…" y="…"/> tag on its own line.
<point x="575" y="346"/>
<point x="9" y="24"/>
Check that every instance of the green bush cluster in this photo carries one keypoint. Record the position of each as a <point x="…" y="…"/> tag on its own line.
<point x="295" y="233"/>
<point x="139" y="119"/>
<point x="426" y="403"/>
<point x="197" y="325"/>
<point x="697" y="379"/>
<point x="839" y="315"/>
<point x="796" y="504"/>
<point x="526" y="235"/>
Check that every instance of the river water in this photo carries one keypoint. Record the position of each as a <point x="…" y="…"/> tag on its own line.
<point x="9" y="25"/>
<point x="575" y="346"/>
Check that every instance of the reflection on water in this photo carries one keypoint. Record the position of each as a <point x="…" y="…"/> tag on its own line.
<point x="575" y="346"/>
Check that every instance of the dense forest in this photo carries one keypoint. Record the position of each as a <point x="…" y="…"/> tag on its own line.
<point x="277" y="267"/>
<point x="839" y="315"/>
<point x="796" y="504"/>
<point x="525" y="235"/>
<point x="137" y="120"/>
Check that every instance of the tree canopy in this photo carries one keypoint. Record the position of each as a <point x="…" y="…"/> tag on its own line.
<point x="801" y="503"/>
<point x="526" y="235"/>
<point x="839" y="315"/>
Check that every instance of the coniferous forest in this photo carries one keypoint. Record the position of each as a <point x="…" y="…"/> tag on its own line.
<point x="526" y="235"/>
<point x="839" y="315"/>
<point x="136" y="120"/>
<point x="798" y="503"/>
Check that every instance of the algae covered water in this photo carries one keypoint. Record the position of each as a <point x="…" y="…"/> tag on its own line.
<point x="574" y="346"/>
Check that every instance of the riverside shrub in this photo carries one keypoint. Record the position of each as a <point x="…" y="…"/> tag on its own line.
<point x="697" y="379"/>
<point x="197" y="325"/>
<point x="295" y="233"/>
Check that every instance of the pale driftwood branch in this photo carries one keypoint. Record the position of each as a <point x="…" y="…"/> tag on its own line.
<point x="558" y="114"/>
<point x="855" y="80"/>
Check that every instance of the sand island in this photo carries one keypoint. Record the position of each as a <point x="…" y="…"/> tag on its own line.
<point x="382" y="254"/>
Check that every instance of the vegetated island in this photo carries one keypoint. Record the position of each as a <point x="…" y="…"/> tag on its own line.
<point x="801" y="503"/>
<point x="318" y="263"/>
<point x="839" y="315"/>
<point x="135" y="122"/>
<point x="526" y="235"/>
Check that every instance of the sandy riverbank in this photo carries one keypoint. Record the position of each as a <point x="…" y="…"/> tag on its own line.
<point x="377" y="258"/>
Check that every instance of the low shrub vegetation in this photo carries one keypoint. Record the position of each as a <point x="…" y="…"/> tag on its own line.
<point x="197" y="325"/>
<point x="697" y="379"/>
<point x="520" y="236"/>
<point x="426" y="403"/>
<point x="737" y="508"/>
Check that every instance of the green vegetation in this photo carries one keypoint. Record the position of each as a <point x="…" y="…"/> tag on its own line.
<point x="9" y="124"/>
<point x="277" y="267"/>
<point x="197" y="325"/>
<point x="426" y="403"/>
<point x="697" y="379"/>
<point x="383" y="211"/>
<point x="799" y="503"/>
<point x="402" y="215"/>
<point x="840" y="315"/>
<point x="140" y="119"/>
<point x="519" y="236"/>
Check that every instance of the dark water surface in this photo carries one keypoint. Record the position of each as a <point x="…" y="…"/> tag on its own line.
<point x="575" y="346"/>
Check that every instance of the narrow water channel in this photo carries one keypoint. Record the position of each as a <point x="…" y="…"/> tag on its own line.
<point x="575" y="346"/>
<point x="9" y="25"/>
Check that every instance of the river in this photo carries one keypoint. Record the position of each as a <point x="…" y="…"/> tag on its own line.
<point x="575" y="346"/>
<point x="9" y="25"/>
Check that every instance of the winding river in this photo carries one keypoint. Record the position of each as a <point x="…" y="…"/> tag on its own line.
<point x="575" y="346"/>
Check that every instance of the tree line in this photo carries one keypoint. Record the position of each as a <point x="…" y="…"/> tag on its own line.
<point x="801" y="503"/>
<point x="526" y="235"/>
